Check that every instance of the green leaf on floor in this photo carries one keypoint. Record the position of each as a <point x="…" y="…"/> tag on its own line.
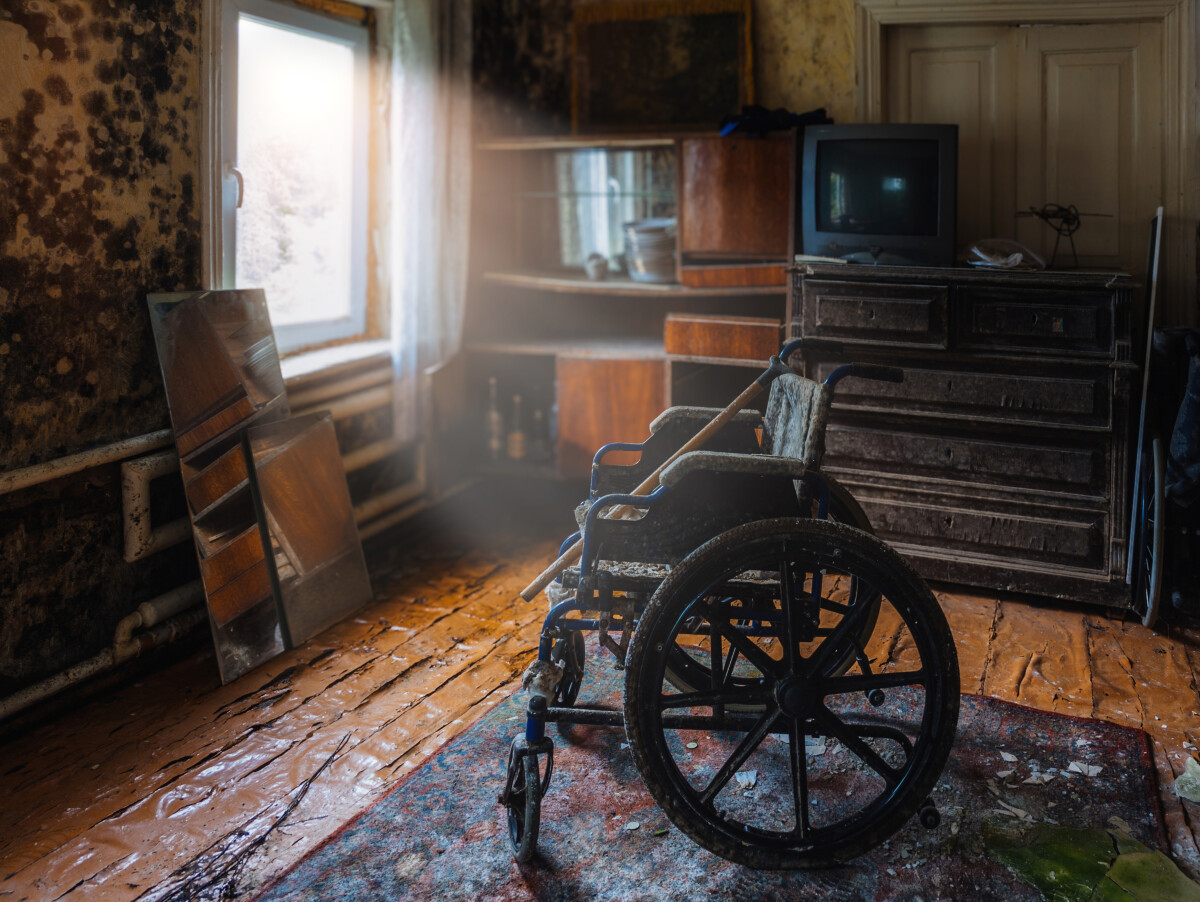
<point x="1064" y="863"/>
<point x="1073" y="864"/>
<point x="1146" y="877"/>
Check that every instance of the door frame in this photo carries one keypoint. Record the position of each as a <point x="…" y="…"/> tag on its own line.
<point x="1181" y="82"/>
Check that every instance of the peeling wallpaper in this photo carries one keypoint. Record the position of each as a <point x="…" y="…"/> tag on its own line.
<point x="99" y="127"/>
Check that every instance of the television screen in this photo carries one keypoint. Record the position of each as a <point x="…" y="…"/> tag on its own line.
<point x="878" y="187"/>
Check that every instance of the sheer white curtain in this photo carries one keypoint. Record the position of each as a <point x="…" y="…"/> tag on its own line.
<point x="431" y="179"/>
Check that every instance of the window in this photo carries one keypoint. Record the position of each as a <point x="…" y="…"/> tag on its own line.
<point x="293" y="169"/>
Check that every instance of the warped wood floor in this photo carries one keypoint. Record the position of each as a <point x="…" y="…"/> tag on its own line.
<point x="174" y="787"/>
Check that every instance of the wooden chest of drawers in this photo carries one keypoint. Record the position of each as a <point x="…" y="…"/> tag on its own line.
<point x="1002" y="460"/>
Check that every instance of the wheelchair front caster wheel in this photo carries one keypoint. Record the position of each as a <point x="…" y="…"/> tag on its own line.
<point x="930" y="817"/>
<point x="524" y="805"/>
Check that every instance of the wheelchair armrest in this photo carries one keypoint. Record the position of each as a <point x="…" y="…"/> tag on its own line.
<point x="700" y="416"/>
<point x="669" y="431"/>
<point x="728" y="462"/>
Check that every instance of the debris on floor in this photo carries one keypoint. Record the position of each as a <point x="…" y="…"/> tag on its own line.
<point x="1187" y="784"/>
<point x="747" y="778"/>
<point x="1088" y="770"/>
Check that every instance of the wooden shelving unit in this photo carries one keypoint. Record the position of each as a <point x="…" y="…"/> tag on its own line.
<point x="620" y="286"/>
<point x="589" y="353"/>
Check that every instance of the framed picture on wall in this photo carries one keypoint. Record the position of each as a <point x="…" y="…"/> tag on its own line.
<point x="677" y="64"/>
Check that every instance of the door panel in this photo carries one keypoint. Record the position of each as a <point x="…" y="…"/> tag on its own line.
<point x="1089" y="133"/>
<point x="1064" y="114"/>
<point x="965" y="76"/>
<point x="602" y="400"/>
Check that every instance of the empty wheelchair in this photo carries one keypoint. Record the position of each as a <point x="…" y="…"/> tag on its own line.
<point x="791" y="686"/>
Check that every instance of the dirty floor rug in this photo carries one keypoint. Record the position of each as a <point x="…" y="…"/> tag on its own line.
<point x="440" y="835"/>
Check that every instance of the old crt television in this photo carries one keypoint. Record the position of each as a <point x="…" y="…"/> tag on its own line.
<point x="880" y="193"/>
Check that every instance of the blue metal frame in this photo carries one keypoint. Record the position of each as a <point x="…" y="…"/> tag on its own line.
<point x="605" y="449"/>
<point x="604" y="503"/>
<point x="556" y="620"/>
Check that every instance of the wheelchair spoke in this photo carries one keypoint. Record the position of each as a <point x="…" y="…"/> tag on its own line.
<point x="729" y="665"/>
<point x="799" y="778"/>
<point x="867" y="682"/>
<point x="753" y="653"/>
<point x="842" y="635"/>
<point x="787" y="601"/>
<point x="745" y="748"/>
<point x="841" y="731"/>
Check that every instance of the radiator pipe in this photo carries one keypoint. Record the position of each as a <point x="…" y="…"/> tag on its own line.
<point x="151" y="613"/>
<point x="168" y="617"/>
<point x="24" y="478"/>
<point x="142" y="538"/>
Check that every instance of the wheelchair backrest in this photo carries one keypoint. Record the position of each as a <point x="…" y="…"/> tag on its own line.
<point x="794" y="425"/>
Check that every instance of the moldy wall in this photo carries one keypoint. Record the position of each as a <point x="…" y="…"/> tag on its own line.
<point x="803" y="59"/>
<point x="99" y="143"/>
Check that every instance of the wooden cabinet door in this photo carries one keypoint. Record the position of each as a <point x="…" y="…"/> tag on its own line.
<point x="448" y="432"/>
<point x="602" y="400"/>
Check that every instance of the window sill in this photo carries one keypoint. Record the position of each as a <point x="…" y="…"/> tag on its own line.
<point x="327" y="364"/>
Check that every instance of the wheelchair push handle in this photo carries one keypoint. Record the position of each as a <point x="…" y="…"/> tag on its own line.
<point x="873" y="371"/>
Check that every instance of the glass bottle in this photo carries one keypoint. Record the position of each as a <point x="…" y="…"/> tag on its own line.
<point x="538" y="446"/>
<point x="494" y="423"/>
<point x="516" y="433"/>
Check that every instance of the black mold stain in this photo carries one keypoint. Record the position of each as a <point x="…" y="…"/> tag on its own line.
<point x="97" y="208"/>
<point x="522" y="65"/>
<point x="73" y="281"/>
<point x="56" y="87"/>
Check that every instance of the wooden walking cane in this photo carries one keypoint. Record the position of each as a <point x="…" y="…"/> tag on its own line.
<point x="777" y="368"/>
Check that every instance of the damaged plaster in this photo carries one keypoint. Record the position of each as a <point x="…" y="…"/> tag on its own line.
<point x="99" y="128"/>
<point x="99" y="143"/>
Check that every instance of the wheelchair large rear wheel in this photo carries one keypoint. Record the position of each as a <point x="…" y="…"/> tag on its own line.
<point x="787" y="760"/>
<point x="1148" y="544"/>
<point x="686" y="672"/>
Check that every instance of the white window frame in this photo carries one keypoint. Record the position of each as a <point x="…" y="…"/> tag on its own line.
<point x="222" y="192"/>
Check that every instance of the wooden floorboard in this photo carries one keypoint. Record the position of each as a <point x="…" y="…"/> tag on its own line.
<point x="175" y="787"/>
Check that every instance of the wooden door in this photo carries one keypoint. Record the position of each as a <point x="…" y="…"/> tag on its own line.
<point x="1065" y="114"/>
<point x="602" y="400"/>
<point x="965" y="76"/>
<point x="1090" y="133"/>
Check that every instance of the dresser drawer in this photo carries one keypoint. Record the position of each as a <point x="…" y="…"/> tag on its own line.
<point x="1036" y="536"/>
<point x="864" y="313"/>
<point x="1043" y="320"/>
<point x="1057" y="395"/>
<point x="1012" y="463"/>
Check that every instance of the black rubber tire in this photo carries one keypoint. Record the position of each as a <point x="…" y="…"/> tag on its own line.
<point x="685" y="673"/>
<point x="1148" y="568"/>
<point x="573" y="660"/>
<point x="525" y="809"/>
<point x="570" y="653"/>
<point x="820" y="545"/>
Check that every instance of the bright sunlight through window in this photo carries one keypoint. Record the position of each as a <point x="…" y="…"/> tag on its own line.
<point x="302" y="211"/>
